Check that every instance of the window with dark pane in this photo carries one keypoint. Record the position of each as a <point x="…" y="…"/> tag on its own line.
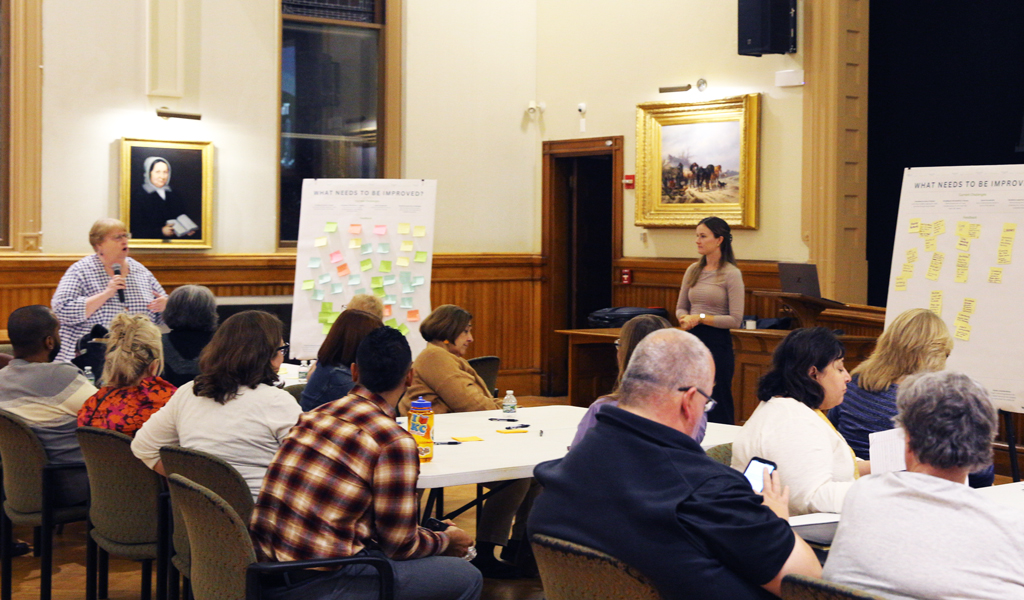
<point x="363" y="11"/>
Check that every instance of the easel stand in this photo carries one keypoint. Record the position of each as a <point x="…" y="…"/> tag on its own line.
<point x="1010" y="422"/>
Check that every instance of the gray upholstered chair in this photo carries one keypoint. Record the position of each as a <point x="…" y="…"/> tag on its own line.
<point x="224" y="563"/>
<point x="487" y="368"/>
<point x="721" y="453"/>
<point x="124" y="517"/>
<point x="30" y="483"/>
<point x="801" y="587"/>
<point x="571" y="571"/>
<point x="295" y="390"/>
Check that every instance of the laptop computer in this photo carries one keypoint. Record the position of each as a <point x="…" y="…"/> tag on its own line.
<point x="800" y="278"/>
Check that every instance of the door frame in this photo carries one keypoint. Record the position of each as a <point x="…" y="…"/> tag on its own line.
<point x="555" y="346"/>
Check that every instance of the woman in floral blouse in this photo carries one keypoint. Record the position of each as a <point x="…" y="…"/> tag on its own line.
<point x="132" y="389"/>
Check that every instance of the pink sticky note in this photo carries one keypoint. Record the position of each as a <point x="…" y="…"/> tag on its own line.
<point x="355" y="229"/>
<point x="343" y="270"/>
<point x="387" y="310"/>
<point x="336" y="257"/>
<point x="380" y="230"/>
<point x="412" y="315"/>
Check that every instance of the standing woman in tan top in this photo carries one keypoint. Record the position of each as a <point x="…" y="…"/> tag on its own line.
<point x="711" y="303"/>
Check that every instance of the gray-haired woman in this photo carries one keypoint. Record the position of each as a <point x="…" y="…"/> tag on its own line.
<point x="191" y="314"/>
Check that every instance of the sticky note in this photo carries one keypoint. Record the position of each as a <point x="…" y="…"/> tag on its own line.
<point x="912" y="255"/>
<point x="390" y="299"/>
<point x="385" y="266"/>
<point x="355" y="243"/>
<point x="961" y="275"/>
<point x="421" y="256"/>
<point x="318" y="294"/>
<point x="376" y="282"/>
<point x="314" y="262"/>
<point x="419" y="231"/>
<point x="925" y="230"/>
<point x="1009" y="230"/>
<point x="337" y="257"/>
<point x="969" y="304"/>
<point x="330" y="227"/>
<point x="320" y="242"/>
<point x="405" y="331"/>
<point x="333" y="317"/>
<point x="407" y="289"/>
<point x="908" y="270"/>
<point x="406" y="246"/>
<point x="974" y="230"/>
<point x="392" y="323"/>
<point x="387" y="311"/>
<point x="383" y="248"/>
<point x="343" y="270"/>
<point x="402" y="261"/>
<point x="380" y="229"/>
<point x="935" y="267"/>
<point x="358" y="291"/>
<point x="405" y="277"/>
<point x="419" y="280"/>
<point x="901" y="284"/>
<point x="929" y="244"/>
<point x="403" y="228"/>
<point x="412" y="315"/>
<point x="995" y="275"/>
<point x="963" y="260"/>
<point x="355" y="229"/>
<point x="366" y="249"/>
<point x="379" y="292"/>
<point x="389" y="280"/>
<point x="308" y="284"/>
<point x="935" y="302"/>
<point x="336" y="288"/>
<point x="961" y="228"/>
<point x="322" y="318"/>
<point x="406" y="303"/>
<point x="939" y="227"/>
<point x="963" y="244"/>
<point x="366" y="264"/>
<point x="325" y="278"/>
<point x="326" y="307"/>
<point x="353" y="280"/>
<point x="962" y="317"/>
<point x="962" y="332"/>
<point x="1003" y="255"/>
<point x="915" y="225"/>
<point x="468" y="439"/>
<point x="325" y="328"/>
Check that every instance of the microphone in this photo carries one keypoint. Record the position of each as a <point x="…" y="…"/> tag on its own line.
<point x="117" y="271"/>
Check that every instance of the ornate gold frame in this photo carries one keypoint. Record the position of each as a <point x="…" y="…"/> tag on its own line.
<point x="206" y="227"/>
<point x="651" y="211"/>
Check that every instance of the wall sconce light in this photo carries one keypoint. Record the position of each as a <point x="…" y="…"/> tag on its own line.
<point x="165" y="113"/>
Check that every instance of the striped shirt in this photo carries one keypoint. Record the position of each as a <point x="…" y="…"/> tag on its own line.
<point x="89" y="277"/>
<point x="863" y="413"/>
<point x="343" y="480"/>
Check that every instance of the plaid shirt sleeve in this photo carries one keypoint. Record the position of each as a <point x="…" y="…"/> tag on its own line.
<point x="394" y="503"/>
<point x="69" y="299"/>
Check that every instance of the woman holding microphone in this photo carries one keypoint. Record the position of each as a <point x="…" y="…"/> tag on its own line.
<point x="98" y="287"/>
<point x="711" y="303"/>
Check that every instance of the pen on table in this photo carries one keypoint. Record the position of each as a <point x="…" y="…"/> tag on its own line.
<point x="509" y="420"/>
<point x="518" y="426"/>
<point x="447" y="443"/>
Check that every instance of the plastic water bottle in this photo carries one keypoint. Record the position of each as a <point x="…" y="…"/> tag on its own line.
<point x="421" y="426"/>
<point x="509" y="403"/>
<point x="303" y="370"/>
<point x="90" y="376"/>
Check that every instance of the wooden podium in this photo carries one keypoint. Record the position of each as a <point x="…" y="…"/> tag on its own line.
<point x="806" y="308"/>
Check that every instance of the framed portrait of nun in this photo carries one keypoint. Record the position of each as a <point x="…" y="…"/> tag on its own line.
<point x="167" y="193"/>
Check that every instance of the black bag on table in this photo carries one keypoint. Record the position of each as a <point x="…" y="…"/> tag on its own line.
<point x="617" y="316"/>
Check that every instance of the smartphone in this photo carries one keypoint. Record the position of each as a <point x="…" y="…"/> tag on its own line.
<point x="435" y="524"/>
<point x="755" y="472"/>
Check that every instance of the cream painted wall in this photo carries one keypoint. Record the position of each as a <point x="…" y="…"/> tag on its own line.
<point x="613" y="57"/>
<point x="94" y="93"/>
<point x="469" y="73"/>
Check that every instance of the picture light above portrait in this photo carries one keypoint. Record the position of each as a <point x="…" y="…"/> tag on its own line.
<point x="702" y="85"/>
<point x="165" y="113"/>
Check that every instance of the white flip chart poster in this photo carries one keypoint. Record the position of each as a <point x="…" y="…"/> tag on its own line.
<point x="362" y="236"/>
<point x="953" y="254"/>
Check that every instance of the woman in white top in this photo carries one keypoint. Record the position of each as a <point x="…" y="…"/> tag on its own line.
<point x="790" y="428"/>
<point x="231" y="409"/>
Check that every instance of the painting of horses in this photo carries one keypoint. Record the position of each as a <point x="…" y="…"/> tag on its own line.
<point x="697" y="160"/>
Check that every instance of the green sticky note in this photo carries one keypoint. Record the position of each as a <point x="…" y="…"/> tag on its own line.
<point x="379" y="292"/>
<point x="385" y="266"/>
<point x="336" y="288"/>
<point x="405" y="277"/>
<point x="366" y="249"/>
<point x="419" y="280"/>
<point x="383" y="248"/>
<point x="390" y="299"/>
<point x="402" y="328"/>
<point x="326" y="328"/>
<point x="406" y="303"/>
<point x="314" y="262"/>
<point x="331" y="318"/>
<point x="325" y="278"/>
<point x="392" y="323"/>
<point x="407" y="289"/>
<point x="318" y="294"/>
<point x="308" y="284"/>
<point x="330" y="227"/>
<point x="322" y="318"/>
<point x="326" y="307"/>
<point x="358" y="291"/>
<point x="366" y="265"/>
<point x="353" y="280"/>
<point x="376" y="282"/>
<point x="389" y="280"/>
<point x="421" y="256"/>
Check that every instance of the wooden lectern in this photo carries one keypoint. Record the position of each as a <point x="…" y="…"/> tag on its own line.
<point x="806" y="308"/>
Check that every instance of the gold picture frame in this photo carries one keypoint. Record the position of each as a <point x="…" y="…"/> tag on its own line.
<point x="675" y="146"/>
<point x="167" y="193"/>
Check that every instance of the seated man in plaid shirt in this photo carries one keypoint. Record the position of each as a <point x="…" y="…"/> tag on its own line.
<point x="343" y="483"/>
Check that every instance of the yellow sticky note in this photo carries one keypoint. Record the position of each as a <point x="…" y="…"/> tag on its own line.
<point x="915" y="225"/>
<point x="1009" y="230"/>
<point x="325" y="328"/>
<point x="355" y="243"/>
<point x="330" y="227"/>
<point x="308" y="284"/>
<point x="908" y="270"/>
<point x="962" y="332"/>
<point x="419" y="231"/>
<point x="935" y="302"/>
<point x="1006" y="241"/>
<point x="963" y="244"/>
<point x="320" y="242"/>
<point x="969" y="304"/>
<point x="1003" y="256"/>
<point x="935" y="267"/>
<point x="911" y="255"/>
<point x="402" y="261"/>
<point x="995" y="275"/>
<point x="939" y="227"/>
<point x="901" y="284"/>
<point x="963" y="260"/>
<point x="406" y="246"/>
<point x="925" y="230"/>
<point x="961" y="228"/>
<point x="512" y="430"/>
<point x="929" y="244"/>
<point x="961" y="275"/>
<point x="974" y="230"/>
<point x="403" y="229"/>
<point x="962" y="317"/>
<point x="471" y="438"/>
